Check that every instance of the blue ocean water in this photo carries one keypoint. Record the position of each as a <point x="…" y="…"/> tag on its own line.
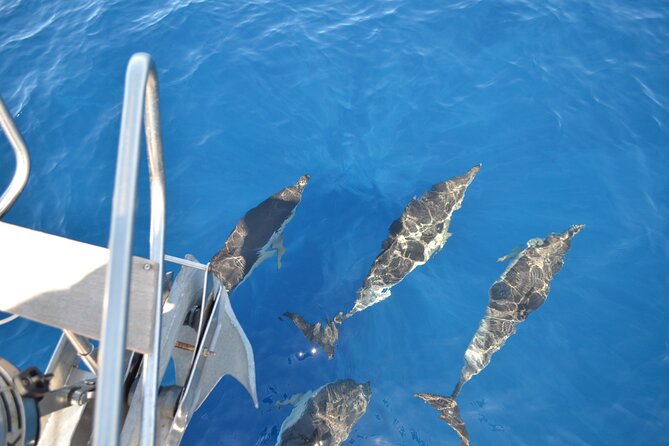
<point x="564" y="102"/>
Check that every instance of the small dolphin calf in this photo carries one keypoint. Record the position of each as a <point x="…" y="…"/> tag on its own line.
<point x="257" y="236"/>
<point x="520" y="290"/>
<point x="324" y="417"/>
<point x="419" y="233"/>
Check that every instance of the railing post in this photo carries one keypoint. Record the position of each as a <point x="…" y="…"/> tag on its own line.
<point x="154" y="145"/>
<point x="22" y="171"/>
<point x="140" y="98"/>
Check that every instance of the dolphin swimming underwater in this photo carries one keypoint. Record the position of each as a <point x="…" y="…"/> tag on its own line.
<point x="520" y="290"/>
<point x="325" y="416"/>
<point x="257" y="235"/>
<point x="249" y="244"/>
<point x="419" y="233"/>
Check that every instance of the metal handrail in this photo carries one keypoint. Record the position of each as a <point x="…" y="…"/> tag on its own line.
<point x="188" y="263"/>
<point x="141" y="95"/>
<point x="22" y="171"/>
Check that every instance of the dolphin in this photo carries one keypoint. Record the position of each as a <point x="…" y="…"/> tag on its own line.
<point x="257" y="236"/>
<point x="419" y="233"/>
<point x="520" y="290"/>
<point x="324" y="416"/>
<point x="254" y="239"/>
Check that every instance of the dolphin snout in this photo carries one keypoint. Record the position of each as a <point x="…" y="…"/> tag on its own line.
<point x="303" y="180"/>
<point x="366" y="389"/>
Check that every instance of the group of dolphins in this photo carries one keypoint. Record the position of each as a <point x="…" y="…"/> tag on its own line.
<point x="326" y="416"/>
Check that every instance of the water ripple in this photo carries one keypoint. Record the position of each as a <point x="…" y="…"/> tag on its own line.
<point x="564" y="101"/>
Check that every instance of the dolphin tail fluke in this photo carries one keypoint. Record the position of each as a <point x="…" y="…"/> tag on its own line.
<point x="449" y="412"/>
<point x="324" y="334"/>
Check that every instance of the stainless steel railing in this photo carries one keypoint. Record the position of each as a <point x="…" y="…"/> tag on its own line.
<point x="22" y="171"/>
<point x="140" y="99"/>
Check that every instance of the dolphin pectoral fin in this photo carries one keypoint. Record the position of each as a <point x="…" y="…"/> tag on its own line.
<point x="449" y="412"/>
<point x="280" y="250"/>
<point x="292" y="401"/>
<point x="323" y="334"/>
<point x="510" y="255"/>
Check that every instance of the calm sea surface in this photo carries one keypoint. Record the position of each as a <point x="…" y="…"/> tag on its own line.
<point x="564" y="102"/>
